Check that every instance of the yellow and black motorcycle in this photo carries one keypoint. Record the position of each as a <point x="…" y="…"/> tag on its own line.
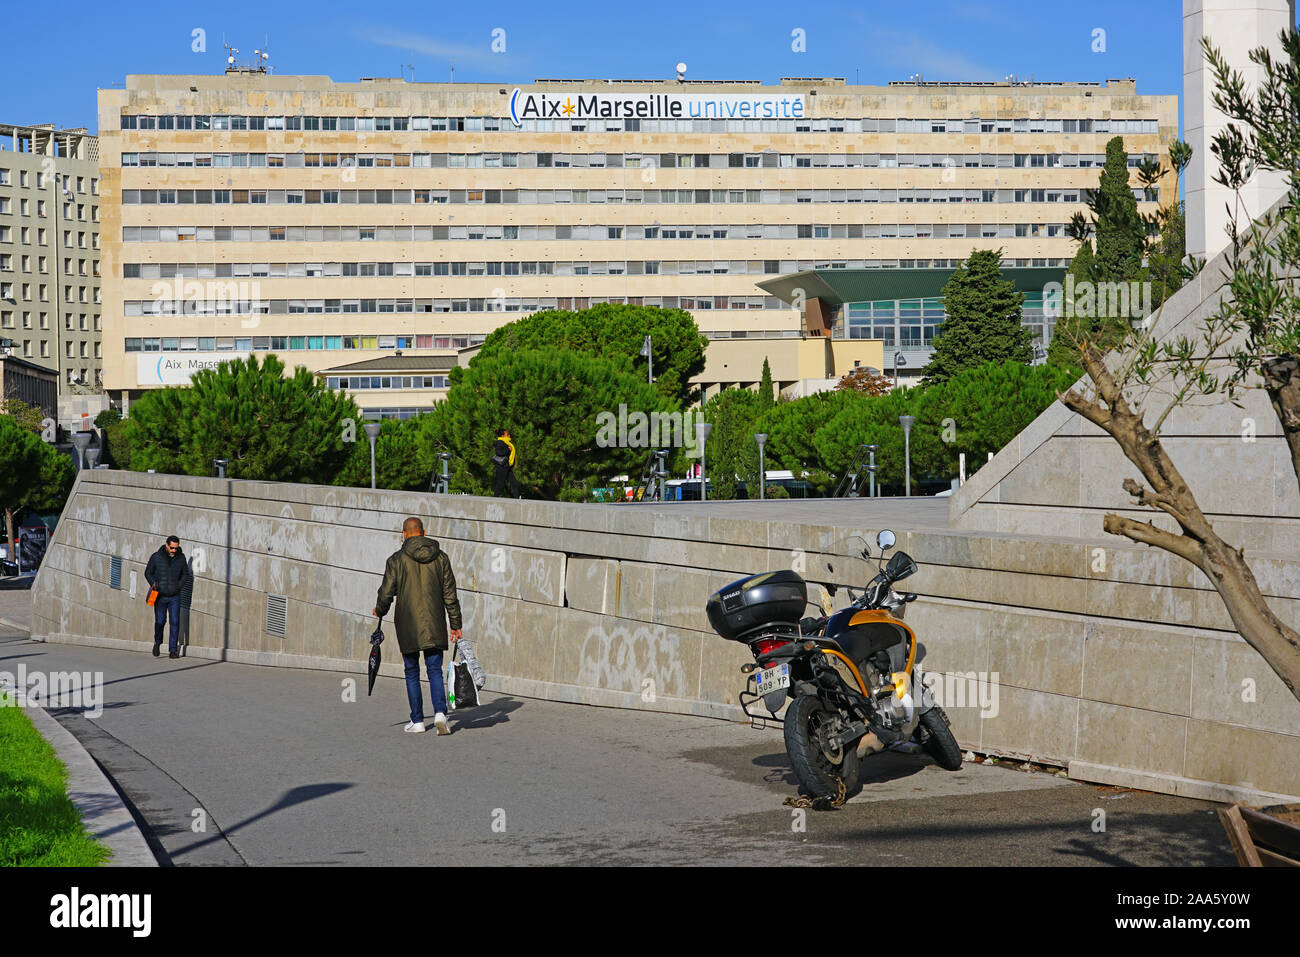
<point x="848" y="674"/>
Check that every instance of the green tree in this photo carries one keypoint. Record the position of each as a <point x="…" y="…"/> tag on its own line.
<point x="28" y="417"/>
<point x="982" y="319"/>
<point x="616" y="333"/>
<point x="562" y="410"/>
<point x="792" y="428"/>
<point x="979" y="411"/>
<point x="766" y="390"/>
<point x="868" y="420"/>
<point x="33" y="474"/>
<point x="265" y="425"/>
<point x="731" y="451"/>
<point x="1119" y="228"/>
<point x="402" y="458"/>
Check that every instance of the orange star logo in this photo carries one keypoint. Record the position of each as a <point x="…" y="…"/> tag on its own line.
<point x="568" y="108"/>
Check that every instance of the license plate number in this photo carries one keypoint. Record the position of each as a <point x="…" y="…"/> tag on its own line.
<point x="771" y="679"/>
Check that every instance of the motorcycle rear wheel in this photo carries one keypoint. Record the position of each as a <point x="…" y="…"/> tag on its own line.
<point x="817" y="771"/>
<point x="939" y="742"/>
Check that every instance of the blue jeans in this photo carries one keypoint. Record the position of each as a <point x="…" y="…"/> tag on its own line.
<point x="437" y="692"/>
<point x="167" y="607"/>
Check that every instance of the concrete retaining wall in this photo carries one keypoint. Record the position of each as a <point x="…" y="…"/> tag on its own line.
<point x="1117" y="661"/>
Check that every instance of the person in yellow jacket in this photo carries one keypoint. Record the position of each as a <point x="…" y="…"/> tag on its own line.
<point x="503" y="463"/>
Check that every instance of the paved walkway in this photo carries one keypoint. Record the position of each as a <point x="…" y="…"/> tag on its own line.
<point x="277" y="768"/>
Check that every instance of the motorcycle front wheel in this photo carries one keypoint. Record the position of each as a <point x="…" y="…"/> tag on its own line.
<point x="819" y="770"/>
<point x="938" y="740"/>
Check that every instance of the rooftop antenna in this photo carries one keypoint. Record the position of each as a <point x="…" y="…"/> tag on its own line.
<point x="453" y="71"/>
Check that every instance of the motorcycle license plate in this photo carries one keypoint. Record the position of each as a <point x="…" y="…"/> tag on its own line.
<point x="770" y="679"/>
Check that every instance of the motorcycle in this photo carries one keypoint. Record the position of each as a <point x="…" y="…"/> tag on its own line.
<point x="848" y="674"/>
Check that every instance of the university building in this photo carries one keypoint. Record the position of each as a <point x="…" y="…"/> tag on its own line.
<point x="425" y="215"/>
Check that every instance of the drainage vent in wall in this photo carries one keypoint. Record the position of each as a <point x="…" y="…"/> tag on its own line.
<point x="276" y="608"/>
<point x="115" y="571"/>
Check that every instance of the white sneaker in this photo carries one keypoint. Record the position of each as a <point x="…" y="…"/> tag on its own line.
<point x="415" y="727"/>
<point x="440" y="722"/>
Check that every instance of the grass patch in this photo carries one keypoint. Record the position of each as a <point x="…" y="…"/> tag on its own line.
<point x="39" y="826"/>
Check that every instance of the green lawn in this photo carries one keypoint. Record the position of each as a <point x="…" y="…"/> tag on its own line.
<point x="39" y="826"/>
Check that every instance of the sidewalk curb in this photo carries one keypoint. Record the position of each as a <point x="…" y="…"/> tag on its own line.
<point x="103" y="813"/>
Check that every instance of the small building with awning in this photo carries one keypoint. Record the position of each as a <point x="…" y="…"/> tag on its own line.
<point x="901" y="308"/>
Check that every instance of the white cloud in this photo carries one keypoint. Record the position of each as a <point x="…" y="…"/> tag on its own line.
<point x="915" y="54"/>
<point x="433" y="47"/>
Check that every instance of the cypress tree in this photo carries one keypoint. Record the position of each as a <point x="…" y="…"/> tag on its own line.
<point x="766" y="393"/>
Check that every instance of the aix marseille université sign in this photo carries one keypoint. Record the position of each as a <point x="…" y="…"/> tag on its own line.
<point x="653" y="106"/>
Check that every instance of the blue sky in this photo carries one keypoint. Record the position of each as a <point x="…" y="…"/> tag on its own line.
<point x="57" y="61"/>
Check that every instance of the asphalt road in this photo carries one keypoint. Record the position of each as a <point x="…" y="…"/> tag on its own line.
<point x="279" y="769"/>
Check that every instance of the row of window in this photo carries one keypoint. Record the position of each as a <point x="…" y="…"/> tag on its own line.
<point x="380" y="343"/>
<point x="387" y="382"/>
<point x="70" y="210"/>
<point x="407" y="197"/>
<point x="750" y="231"/>
<point x="492" y="124"/>
<point x="7" y="321"/>
<point x="84" y="267"/>
<point x="649" y="267"/>
<point x="24" y="234"/>
<point x="68" y="180"/>
<point x="10" y="291"/>
<point x="299" y="343"/>
<point x="913" y="323"/>
<point x="642" y="161"/>
<point x="239" y="303"/>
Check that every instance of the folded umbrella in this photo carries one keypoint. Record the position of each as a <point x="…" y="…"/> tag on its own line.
<point x="375" y="641"/>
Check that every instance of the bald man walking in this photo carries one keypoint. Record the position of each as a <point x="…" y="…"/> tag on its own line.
<point x="419" y="576"/>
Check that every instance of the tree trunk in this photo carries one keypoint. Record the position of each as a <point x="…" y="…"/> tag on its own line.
<point x="1199" y="544"/>
<point x="1282" y="382"/>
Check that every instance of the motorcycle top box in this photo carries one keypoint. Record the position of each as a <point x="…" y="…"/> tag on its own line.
<point x="752" y="603"/>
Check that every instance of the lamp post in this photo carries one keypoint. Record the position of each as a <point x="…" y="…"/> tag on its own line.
<point x="81" y="440"/>
<point x="221" y="467"/>
<point x="702" y="430"/>
<point x="899" y="360"/>
<point x="647" y="350"/>
<point x="372" y="432"/>
<point x="92" y="457"/>
<point x="907" y="421"/>
<point x="761" y="439"/>
<point x="444" y="481"/>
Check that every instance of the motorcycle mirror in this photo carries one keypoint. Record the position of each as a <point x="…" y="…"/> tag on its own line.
<point x="885" y="539"/>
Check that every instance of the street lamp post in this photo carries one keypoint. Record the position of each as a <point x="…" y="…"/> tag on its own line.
<point x="92" y="457"/>
<point x="907" y="421"/>
<point x="372" y="433"/>
<point x="647" y="350"/>
<point x="221" y="467"/>
<point x="761" y="439"/>
<point x="899" y="360"/>
<point x="702" y="430"/>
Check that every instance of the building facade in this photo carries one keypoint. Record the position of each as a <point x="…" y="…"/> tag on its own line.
<point x="49" y="251"/>
<point x="335" y="223"/>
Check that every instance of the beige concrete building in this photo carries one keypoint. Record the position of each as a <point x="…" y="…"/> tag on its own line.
<point x="427" y="214"/>
<point x="49" y="251"/>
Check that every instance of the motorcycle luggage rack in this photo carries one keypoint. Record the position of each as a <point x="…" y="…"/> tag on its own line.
<point x="760" y="722"/>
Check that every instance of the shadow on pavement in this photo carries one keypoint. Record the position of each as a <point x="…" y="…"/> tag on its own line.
<point x="294" y="796"/>
<point x="486" y="715"/>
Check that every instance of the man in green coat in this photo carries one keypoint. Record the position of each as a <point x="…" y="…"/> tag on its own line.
<point x="419" y="576"/>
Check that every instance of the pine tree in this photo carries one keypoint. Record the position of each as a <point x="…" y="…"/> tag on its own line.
<point x="982" y="319"/>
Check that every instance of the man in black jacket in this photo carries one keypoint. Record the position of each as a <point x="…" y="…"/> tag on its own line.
<point x="169" y="572"/>
<point x="503" y="464"/>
